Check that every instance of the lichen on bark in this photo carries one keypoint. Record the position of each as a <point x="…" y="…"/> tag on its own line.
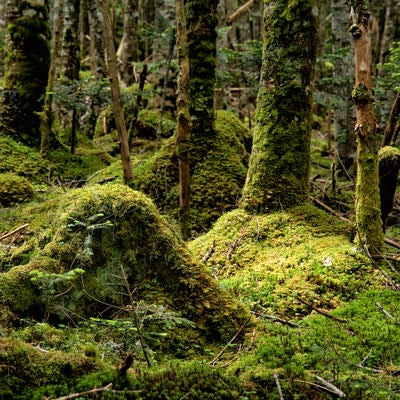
<point x="280" y="160"/>
<point x="26" y="69"/>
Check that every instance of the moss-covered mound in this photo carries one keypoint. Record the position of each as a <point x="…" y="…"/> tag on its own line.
<point x="14" y="189"/>
<point x="270" y="261"/>
<point x="99" y="235"/>
<point x="216" y="180"/>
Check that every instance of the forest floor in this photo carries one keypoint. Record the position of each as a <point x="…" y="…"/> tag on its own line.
<point x="277" y="306"/>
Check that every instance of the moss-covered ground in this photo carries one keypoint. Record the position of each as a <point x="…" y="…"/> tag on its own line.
<point x="271" y="306"/>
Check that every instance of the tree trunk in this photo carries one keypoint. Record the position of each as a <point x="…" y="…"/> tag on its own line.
<point x="46" y="115"/>
<point x="343" y="74"/>
<point x="128" y="48"/>
<point x="368" y="214"/>
<point x="183" y="120"/>
<point x="115" y="92"/>
<point x="279" y="168"/>
<point x="201" y="35"/>
<point x="26" y="69"/>
<point x="97" y="64"/>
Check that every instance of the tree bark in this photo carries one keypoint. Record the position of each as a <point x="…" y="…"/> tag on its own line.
<point x="115" y="91"/>
<point x="128" y="48"/>
<point x="201" y="35"/>
<point x="279" y="168"/>
<point x="26" y="69"/>
<point x="183" y="120"/>
<point x="368" y="214"/>
<point x="343" y="74"/>
<point x="97" y="60"/>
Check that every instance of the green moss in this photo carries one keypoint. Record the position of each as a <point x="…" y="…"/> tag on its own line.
<point x="216" y="181"/>
<point x="268" y="260"/>
<point x="101" y="228"/>
<point x="14" y="189"/>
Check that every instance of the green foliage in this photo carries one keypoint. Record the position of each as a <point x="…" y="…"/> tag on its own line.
<point x="14" y="189"/>
<point x="391" y="70"/>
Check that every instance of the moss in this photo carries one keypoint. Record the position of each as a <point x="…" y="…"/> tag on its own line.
<point x="268" y="260"/>
<point x="26" y="71"/>
<point x="278" y="173"/>
<point x="101" y="228"/>
<point x="216" y="181"/>
<point x="14" y="189"/>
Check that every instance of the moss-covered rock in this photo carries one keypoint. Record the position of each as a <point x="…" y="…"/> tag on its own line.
<point x="14" y="189"/>
<point x="108" y="231"/>
<point x="216" y="180"/>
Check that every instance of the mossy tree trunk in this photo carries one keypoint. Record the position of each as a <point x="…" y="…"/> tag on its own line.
<point x="183" y="119"/>
<point x="26" y="69"/>
<point x="201" y="19"/>
<point x="278" y="175"/>
<point x="115" y="91"/>
<point x="368" y="213"/>
<point x="48" y="139"/>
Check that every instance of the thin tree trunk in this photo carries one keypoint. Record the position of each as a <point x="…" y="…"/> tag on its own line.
<point x="115" y="91"/>
<point x="368" y="213"/>
<point x="183" y="120"/>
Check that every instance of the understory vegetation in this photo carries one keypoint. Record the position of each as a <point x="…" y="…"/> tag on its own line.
<point x="100" y="296"/>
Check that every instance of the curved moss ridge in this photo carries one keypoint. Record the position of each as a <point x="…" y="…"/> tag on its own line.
<point x="267" y="261"/>
<point x="102" y="229"/>
<point x="216" y="181"/>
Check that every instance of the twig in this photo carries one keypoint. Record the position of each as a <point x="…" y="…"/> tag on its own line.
<point x="240" y="11"/>
<point x="212" y="362"/>
<point x="91" y="391"/>
<point x="281" y="320"/>
<point x="232" y="248"/>
<point x="387" y="313"/>
<point x="135" y="316"/>
<point x="13" y="232"/>
<point x="278" y="385"/>
<point x="209" y="252"/>
<point x="331" y="387"/>
<point x="321" y="312"/>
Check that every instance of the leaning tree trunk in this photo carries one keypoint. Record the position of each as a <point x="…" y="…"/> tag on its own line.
<point x="26" y="69"/>
<point x="115" y="91"/>
<point x="279" y="167"/>
<point x="368" y="213"/>
<point x="183" y="120"/>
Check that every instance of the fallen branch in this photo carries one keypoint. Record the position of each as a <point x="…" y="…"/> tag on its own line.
<point x="240" y="11"/>
<point x="321" y="312"/>
<point x="388" y="241"/>
<point x="387" y="313"/>
<point x="281" y="320"/>
<point x="13" y="232"/>
<point x="278" y="385"/>
<point x="331" y="387"/>
<point x="91" y="391"/>
<point x="209" y="252"/>
<point x="232" y="248"/>
<point x="212" y="362"/>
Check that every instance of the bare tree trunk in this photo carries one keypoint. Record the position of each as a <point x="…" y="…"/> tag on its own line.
<point x="128" y="48"/>
<point x="368" y="213"/>
<point x="183" y="120"/>
<point x="343" y="73"/>
<point x="97" y="64"/>
<point x="115" y="91"/>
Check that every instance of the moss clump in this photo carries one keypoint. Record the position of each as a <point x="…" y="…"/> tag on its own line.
<point x="14" y="189"/>
<point x="24" y="368"/>
<point x="267" y="261"/>
<point x="216" y="180"/>
<point x="101" y="229"/>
